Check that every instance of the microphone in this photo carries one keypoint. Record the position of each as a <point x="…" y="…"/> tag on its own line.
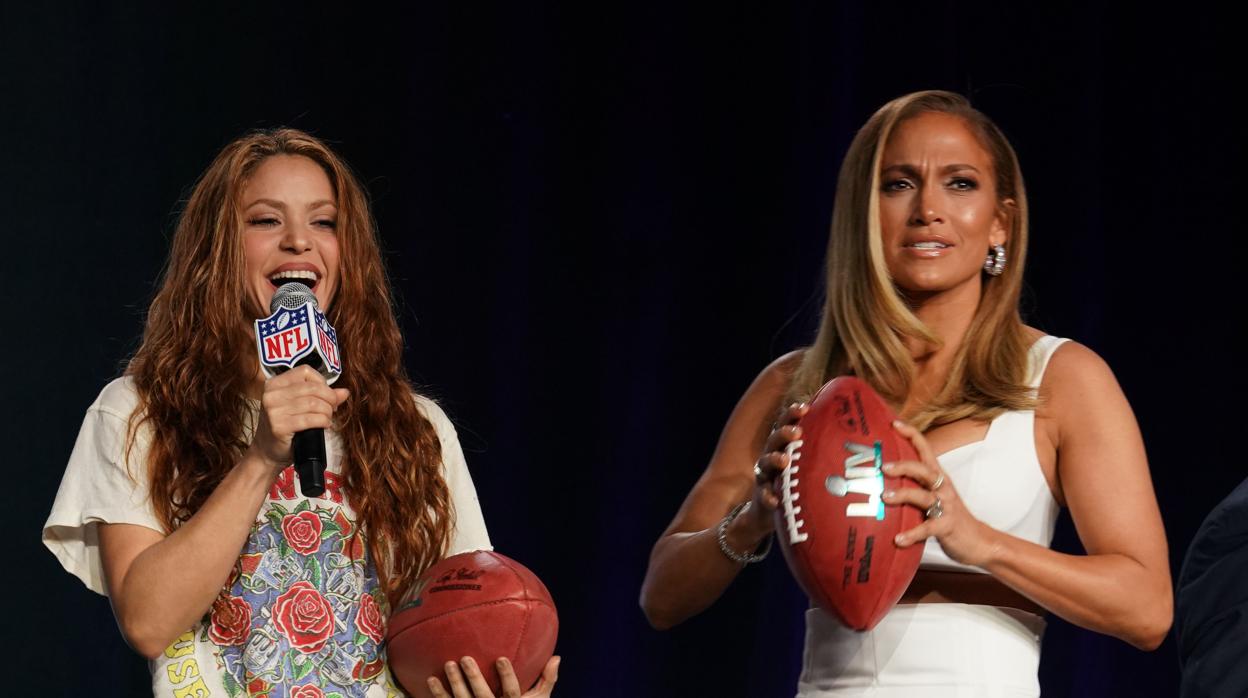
<point x="297" y="334"/>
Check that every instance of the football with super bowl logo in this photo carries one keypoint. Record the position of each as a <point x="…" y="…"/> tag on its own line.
<point x="834" y="528"/>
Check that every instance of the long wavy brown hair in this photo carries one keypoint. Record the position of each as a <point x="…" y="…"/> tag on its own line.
<point x="198" y="358"/>
<point x="866" y="321"/>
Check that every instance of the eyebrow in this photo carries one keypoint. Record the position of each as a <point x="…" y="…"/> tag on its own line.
<point x="912" y="171"/>
<point x="282" y="206"/>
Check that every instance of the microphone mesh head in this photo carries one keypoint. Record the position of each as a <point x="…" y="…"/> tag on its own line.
<point x="291" y="295"/>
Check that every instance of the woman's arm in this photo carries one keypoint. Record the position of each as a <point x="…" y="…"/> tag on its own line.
<point x="687" y="570"/>
<point x="1122" y="586"/>
<point x="161" y="585"/>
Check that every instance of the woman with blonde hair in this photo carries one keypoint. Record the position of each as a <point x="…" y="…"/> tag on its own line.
<point x="180" y="502"/>
<point x="924" y="270"/>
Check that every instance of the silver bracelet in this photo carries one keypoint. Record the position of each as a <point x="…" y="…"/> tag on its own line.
<point x="722" y="536"/>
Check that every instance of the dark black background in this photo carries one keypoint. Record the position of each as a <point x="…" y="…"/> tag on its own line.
<point x="602" y="221"/>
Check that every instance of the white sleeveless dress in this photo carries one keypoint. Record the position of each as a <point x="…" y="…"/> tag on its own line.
<point x="949" y="650"/>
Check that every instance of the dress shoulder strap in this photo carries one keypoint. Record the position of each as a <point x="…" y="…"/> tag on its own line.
<point x="1038" y="357"/>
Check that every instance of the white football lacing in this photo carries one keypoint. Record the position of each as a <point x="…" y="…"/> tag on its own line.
<point x="788" y="495"/>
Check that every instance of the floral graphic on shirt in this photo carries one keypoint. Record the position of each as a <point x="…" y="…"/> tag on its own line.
<point x="303" y="531"/>
<point x="302" y="615"/>
<point x="307" y="691"/>
<point x="230" y="620"/>
<point x="304" y="618"/>
<point x="370" y="620"/>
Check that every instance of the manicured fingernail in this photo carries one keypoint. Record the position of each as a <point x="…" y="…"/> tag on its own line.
<point x="898" y="423"/>
<point x="889" y="494"/>
<point x="900" y="539"/>
<point x="502" y="662"/>
<point x="889" y="467"/>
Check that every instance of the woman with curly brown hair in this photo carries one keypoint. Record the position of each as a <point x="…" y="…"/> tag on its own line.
<point x="180" y="502"/>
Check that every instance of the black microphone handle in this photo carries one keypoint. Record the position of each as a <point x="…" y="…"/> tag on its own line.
<point x="309" y="451"/>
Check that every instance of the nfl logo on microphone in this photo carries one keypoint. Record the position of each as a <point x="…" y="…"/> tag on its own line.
<point x="290" y="335"/>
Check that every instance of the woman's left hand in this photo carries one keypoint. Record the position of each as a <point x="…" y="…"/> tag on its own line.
<point x="964" y="538"/>
<point x="467" y="681"/>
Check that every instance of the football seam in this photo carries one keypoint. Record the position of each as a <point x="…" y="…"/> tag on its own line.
<point x="493" y="602"/>
<point x="789" y="486"/>
<point x="524" y="628"/>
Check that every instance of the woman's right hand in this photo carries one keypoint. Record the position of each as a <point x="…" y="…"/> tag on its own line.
<point x="465" y="680"/>
<point x="770" y="465"/>
<point x="294" y="401"/>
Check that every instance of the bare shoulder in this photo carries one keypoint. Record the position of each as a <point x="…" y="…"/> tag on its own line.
<point x="790" y="360"/>
<point x="1081" y="397"/>
<point x="760" y="402"/>
<point x="1075" y="372"/>
<point x="747" y="426"/>
<point x="781" y="370"/>
<point x="1071" y="366"/>
<point x="770" y="387"/>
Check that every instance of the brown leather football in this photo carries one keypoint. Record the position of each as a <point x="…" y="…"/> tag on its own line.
<point x="835" y="531"/>
<point x="481" y="605"/>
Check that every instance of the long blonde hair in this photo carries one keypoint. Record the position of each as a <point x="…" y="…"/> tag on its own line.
<point x="197" y="359"/>
<point x="866" y="321"/>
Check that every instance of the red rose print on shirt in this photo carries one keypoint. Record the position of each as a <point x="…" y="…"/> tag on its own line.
<point x="369" y="619"/>
<point x="367" y="671"/>
<point x="231" y="621"/>
<point x="303" y="615"/>
<point x="258" y="688"/>
<point x="306" y="691"/>
<point x="302" y="531"/>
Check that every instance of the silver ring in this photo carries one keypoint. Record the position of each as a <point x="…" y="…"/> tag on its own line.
<point x="758" y="474"/>
<point x="935" y="511"/>
<point x="940" y="480"/>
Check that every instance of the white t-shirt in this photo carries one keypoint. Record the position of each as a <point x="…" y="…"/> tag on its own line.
<point x="302" y="615"/>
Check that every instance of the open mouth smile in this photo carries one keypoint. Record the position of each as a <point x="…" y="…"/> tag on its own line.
<point x="303" y="276"/>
